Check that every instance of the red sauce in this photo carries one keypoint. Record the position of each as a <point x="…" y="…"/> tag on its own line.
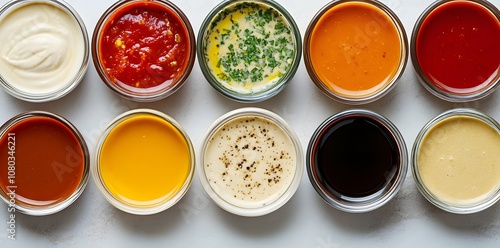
<point x="458" y="47"/>
<point x="49" y="161"/>
<point x="144" y="45"/>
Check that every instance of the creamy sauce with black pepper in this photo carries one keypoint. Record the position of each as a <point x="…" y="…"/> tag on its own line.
<point x="250" y="162"/>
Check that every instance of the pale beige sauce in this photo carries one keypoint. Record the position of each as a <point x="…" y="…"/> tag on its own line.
<point x="250" y="162"/>
<point x="459" y="161"/>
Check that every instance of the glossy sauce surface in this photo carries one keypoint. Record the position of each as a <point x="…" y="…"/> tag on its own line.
<point x="355" y="49"/>
<point x="144" y="160"/>
<point x="49" y="161"/>
<point x="458" y="160"/>
<point x="355" y="157"/>
<point x="143" y="46"/>
<point x="457" y="47"/>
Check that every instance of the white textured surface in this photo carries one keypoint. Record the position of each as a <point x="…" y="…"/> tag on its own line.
<point x="306" y="221"/>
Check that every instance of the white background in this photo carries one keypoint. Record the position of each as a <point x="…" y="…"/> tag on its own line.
<point x="306" y="221"/>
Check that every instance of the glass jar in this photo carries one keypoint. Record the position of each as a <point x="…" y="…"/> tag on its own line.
<point x="138" y="69"/>
<point x="53" y="31"/>
<point x="249" y="63"/>
<point x="455" y="161"/>
<point x="47" y="163"/>
<point x="355" y="51"/>
<point x="250" y="162"/>
<point x="357" y="161"/>
<point x="454" y="49"/>
<point x="144" y="162"/>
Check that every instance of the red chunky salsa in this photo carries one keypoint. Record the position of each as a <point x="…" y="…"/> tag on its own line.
<point x="144" y="45"/>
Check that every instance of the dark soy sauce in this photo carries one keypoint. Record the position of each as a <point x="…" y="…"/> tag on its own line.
<point x="356" y="157"/>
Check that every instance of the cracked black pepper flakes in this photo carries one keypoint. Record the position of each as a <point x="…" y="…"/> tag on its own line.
<point x="250" y="161"/>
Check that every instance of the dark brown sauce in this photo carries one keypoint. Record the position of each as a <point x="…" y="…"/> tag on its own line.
<point x="355" y="157"/>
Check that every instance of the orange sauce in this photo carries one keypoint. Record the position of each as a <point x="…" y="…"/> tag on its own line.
<point x="144" y="160"/>
<point x="355" y="49"/>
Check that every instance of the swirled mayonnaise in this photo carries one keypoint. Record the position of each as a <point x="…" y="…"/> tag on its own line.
<point x="41" y="48"/>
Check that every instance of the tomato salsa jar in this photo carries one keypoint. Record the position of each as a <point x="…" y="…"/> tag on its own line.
<point x="143" y="50"/>
<point x="455" y="49"/>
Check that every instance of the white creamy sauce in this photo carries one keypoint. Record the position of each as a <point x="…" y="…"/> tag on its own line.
<point x="41" y="48"/>
<point x="250" y="162"/>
